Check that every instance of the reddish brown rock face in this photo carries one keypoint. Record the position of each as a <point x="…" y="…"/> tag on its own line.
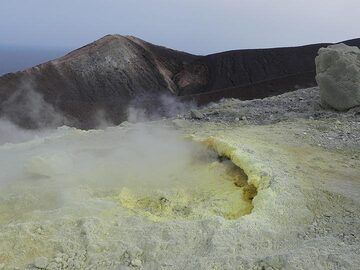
<point x="106" y="75"/>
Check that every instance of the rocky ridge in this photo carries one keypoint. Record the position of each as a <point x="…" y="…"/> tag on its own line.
<point x="104" y="77"/>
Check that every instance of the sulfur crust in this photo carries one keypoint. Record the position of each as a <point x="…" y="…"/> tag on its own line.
<point x="256" y="176"/>
<point x="180" y="203"/>
<point x="304" y="215"/>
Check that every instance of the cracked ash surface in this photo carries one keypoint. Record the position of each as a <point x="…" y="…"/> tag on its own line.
<point x="303" y="160"/>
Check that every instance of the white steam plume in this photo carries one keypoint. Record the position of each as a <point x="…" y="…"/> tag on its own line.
<point x="154" y="107"/>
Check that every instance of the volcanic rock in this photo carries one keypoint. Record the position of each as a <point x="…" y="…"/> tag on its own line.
<point x="41" y="262"/>
<point x="338" y="76"/>
<point x="195" y="114"/>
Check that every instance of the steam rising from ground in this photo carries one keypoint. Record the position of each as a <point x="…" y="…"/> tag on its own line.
<point x="26" y="107"/>
<point x="153" y="107"/>
<point x="56" y="183"/>
<point x="11" y="133"/>
<point x="138" y="167"/>
<point x="142" y="196"/>
<point x="115" y="148"/>
<point x="148" y="169"/>
<point x="25" y="114"/>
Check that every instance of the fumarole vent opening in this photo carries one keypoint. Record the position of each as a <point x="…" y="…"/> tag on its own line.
<point x="211" y="185"/>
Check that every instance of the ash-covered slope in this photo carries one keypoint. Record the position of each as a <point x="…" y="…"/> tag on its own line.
<point x="250" y="74"/>
<point x="106" y="75"/>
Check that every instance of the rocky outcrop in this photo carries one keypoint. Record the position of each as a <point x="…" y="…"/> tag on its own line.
<point x="104" y="77"/>
<point x="338" y="76"/>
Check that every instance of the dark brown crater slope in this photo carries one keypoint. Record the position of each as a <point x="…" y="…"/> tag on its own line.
<point x="104" y="77"/>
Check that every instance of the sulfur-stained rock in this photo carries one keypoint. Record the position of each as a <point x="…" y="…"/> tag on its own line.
<point x="338" y="76"/>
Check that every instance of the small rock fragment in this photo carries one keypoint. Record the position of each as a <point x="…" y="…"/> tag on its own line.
<point x="180" y="123"/>
<point x="125" y="124"/>
<point x="41" y="262"/>
<point x="52" y="266"/>
<point x="195" y="114"/>
<point x="136" y="263"/>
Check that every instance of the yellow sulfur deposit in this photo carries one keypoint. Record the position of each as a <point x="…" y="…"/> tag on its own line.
<point x="218" y="188"/>
<point x="223" y="199"/>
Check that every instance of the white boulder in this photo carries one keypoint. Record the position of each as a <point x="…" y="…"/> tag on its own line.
<point x="338" y="76"/>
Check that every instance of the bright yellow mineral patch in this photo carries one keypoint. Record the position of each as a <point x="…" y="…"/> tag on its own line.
<point x="213" y="188"/>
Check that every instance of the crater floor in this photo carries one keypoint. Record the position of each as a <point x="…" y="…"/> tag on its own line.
<point x="297" y="191"/>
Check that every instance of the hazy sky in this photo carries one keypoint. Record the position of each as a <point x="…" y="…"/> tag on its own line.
<point x="197" y="26"/>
